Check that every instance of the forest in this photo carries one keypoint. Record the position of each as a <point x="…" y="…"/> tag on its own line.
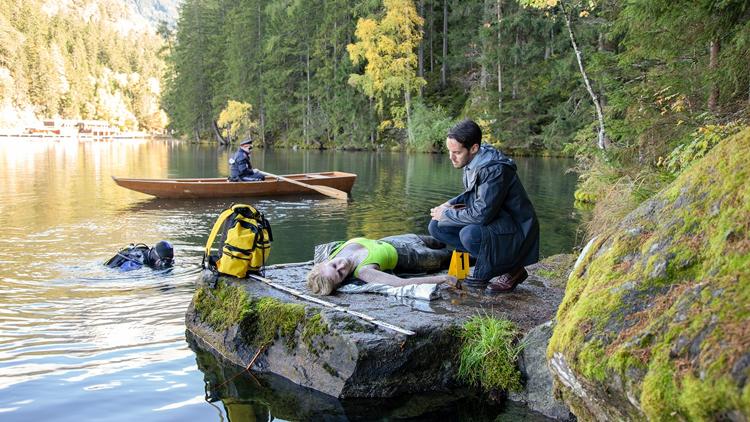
<point x="339" y="73"/>
<point x="79" y="60"/>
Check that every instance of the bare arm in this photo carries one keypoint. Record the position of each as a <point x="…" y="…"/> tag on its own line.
<point x="371" y="274"/>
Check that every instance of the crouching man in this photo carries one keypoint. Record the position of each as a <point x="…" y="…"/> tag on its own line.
<point x="493" y="219"/>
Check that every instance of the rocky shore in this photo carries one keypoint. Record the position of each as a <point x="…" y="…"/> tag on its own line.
<point x="345" y="356"/>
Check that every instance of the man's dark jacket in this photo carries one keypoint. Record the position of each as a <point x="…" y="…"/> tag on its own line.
<point x="495" y="199"/>
<point x="239" y="165"/>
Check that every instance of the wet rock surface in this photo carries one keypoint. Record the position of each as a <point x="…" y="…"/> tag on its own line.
<point x="346" y="356"/>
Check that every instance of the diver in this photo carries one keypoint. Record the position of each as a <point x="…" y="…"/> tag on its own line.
<point x="135" y="256"/>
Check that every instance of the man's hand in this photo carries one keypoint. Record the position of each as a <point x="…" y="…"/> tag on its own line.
<point x="437" y="212"/>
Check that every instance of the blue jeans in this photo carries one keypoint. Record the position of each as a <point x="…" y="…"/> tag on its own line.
<point x="461" y="238"/>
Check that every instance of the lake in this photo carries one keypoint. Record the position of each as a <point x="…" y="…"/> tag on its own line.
<point x="79" y="341"/>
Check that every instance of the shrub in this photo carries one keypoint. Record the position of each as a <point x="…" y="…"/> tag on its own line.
<point x="429" y="127"/>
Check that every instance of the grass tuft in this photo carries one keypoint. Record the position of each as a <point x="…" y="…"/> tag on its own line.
<point x="489" y="353"/>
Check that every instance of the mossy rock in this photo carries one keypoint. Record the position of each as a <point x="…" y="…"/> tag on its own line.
<point x="260" y="320"/>
<point x="655" y="323"/>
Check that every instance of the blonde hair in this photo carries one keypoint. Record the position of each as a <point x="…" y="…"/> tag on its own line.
<point x="318" y="284"/>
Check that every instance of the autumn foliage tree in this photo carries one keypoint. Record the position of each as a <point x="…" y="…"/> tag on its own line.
<point x="390" y="74"/>
<point x="236" y="120"/>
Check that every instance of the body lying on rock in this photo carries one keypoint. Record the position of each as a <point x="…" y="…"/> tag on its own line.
<point x="369" y="262"/>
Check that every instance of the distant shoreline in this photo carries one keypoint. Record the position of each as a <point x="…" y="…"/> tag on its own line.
<point x="82" y="137"/>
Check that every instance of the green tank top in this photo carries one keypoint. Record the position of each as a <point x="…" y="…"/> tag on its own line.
<point x="382" y="254"/>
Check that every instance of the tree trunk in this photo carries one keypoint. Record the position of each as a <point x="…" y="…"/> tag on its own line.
<point x="499" y="56"/>
<point x="514" y="87"/>
<point x="432" y="36"/>
<point x="261" y="106"/>
<point x="443" y="70"/>
<point x="335" y="73"/>
<point x="713" y="65"/>
<point x="407" y="103"/>
<point x="552" y="41"/>
<point x="308" y="106"/>
<point x="484" y="74"/>
<point x="420" y="70"/>
<point x="602" y="139"/>
<point x="217" y="132"/>
<point x="335" y="49"/>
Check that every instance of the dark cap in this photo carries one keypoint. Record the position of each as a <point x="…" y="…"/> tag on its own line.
<point x="164" y="249"/>
<point x="246" y="141"/>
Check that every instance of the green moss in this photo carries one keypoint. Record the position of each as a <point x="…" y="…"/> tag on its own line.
<point x="314" y="327"/>
<point x="221" y="307"/>
<point x="549" y="274"/>
<point x="261" y="320"/>
<point x="353" y="325"/>
<point x="708" y="400"/>
<point x="556" y="268"/>
<point x="666" y="293"/>
<point x="659" y="392"/>
<point x="277" y="319"/>
<point x="593" y="361"/>
<point x="623" y="359"/>
<point x="331" y="370"/>
<point x="489" y="352"/>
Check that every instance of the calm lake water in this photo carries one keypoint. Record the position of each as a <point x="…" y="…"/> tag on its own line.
<point x="79" y="341"/>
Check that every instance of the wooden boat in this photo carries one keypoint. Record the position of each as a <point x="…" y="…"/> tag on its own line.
<point x="221" y="188"/>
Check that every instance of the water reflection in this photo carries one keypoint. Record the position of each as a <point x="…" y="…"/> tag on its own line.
<point x="247" y="396"/>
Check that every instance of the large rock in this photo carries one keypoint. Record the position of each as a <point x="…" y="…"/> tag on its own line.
<point x="538" y="393"/>
<point x="341" y="354"/>
<point x="655" y="323"/>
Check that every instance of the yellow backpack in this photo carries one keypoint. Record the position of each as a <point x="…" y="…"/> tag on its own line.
<point x="246" y="242"/>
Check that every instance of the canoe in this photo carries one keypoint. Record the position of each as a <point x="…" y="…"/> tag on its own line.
<point x="221" y="188"/>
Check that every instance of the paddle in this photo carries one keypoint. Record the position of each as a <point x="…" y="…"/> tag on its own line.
<point x="325" y="190"/>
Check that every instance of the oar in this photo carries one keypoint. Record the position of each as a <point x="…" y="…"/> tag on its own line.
<point x="325" y="190"/>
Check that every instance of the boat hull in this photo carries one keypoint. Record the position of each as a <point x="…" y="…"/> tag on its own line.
<point x="221" y="188"/>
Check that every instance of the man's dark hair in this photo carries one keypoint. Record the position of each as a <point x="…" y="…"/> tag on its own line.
<point x="467" y="133"/>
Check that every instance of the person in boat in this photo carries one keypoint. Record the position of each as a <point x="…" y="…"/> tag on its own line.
<point x="136" y="256"/>
<point x="369" y="261"/>
<point x="493" y="219"/>
<point x="240" y="168"/>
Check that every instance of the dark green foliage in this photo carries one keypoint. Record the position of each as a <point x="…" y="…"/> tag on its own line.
<point x="289" y="60"/>
<point x="429" y="127"/>
<point x="648" y="62"/>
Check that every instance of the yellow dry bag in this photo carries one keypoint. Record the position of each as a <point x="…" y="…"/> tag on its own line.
<point x="245" y="242"/>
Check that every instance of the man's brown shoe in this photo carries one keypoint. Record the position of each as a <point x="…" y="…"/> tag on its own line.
<point x="507" y="282"/>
